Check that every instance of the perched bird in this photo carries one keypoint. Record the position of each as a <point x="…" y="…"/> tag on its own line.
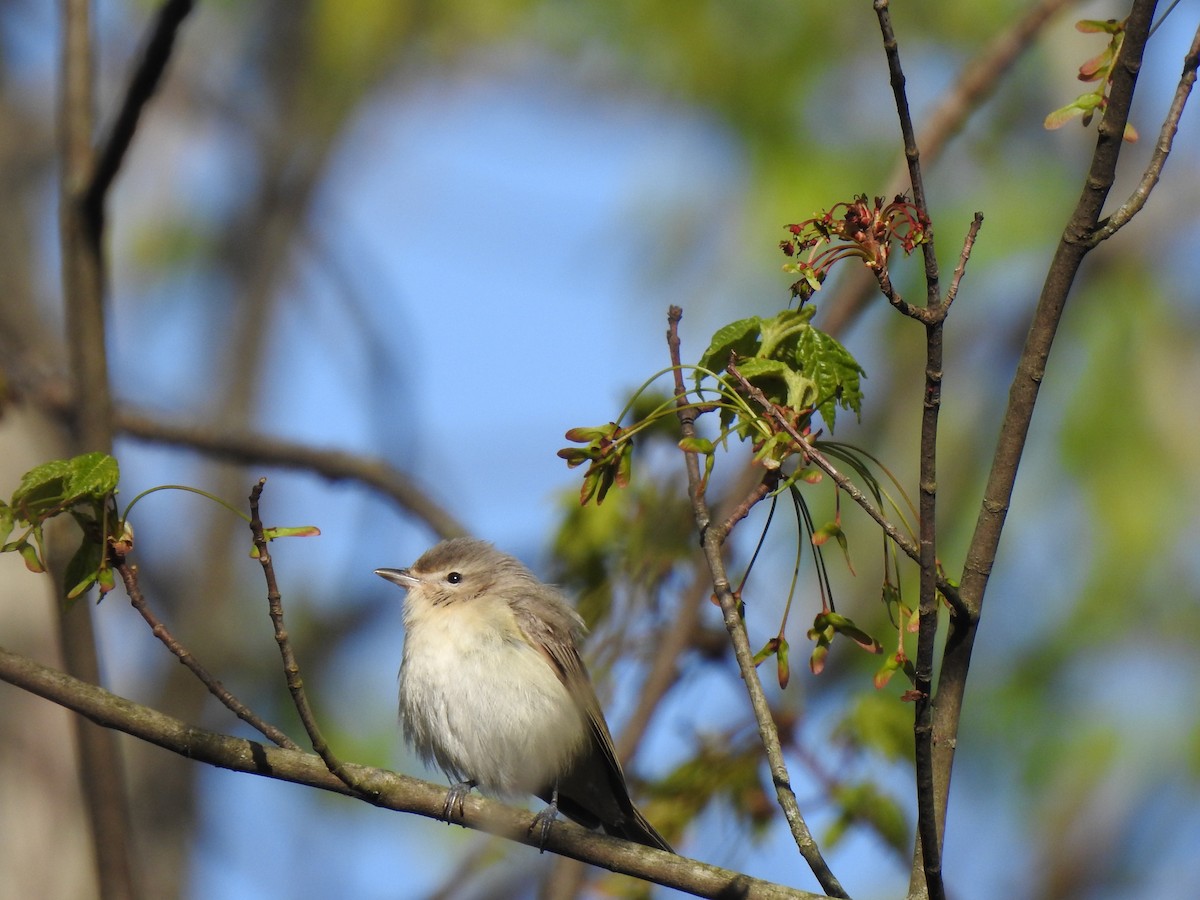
<point x="493" y="690"/>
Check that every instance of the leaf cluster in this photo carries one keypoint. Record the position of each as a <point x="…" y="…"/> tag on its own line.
<point x="83" y="487"/>
<point x="797" y="366"/>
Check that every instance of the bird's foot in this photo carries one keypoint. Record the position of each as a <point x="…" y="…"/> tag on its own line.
<point x="455" y="798"/>
<point x="543" y="820"/>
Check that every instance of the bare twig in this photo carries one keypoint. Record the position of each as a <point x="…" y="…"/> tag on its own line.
<point x="912" y="153"/>
<point x="1162" y="149"/>
<point x="129" y="577"/>
<point x="961" y="268"/>
<point x="730" y="608"/>
<point x="291" y="668"/>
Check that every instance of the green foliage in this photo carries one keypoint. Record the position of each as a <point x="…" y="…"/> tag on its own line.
<point x="83" y="486"/>
<point x="877" y="723"/>
<point x="794" y="364"/>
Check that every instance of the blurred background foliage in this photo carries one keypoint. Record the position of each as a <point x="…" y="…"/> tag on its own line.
<point x="443" y="234"/>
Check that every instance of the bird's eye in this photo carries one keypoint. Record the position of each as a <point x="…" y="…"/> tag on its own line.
<point x="454" y="577"/>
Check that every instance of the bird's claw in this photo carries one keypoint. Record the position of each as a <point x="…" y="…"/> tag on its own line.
<point x="456" y="797"/>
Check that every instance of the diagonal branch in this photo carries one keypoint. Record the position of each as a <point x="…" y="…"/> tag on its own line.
<point x="1073" y="246"/>
<point x="143" y="83"/>
<point x="390" y="791"/>
<point x="817" y="458"/>
<point x="710" y="542"/>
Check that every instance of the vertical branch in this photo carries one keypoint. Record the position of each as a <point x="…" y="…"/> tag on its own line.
<point x="912" y="153"/>
<point x="1073" y="246"/>
<point x="711" y="540"/>
<point x="100" y="769"/>
<point x="927" y="858"/>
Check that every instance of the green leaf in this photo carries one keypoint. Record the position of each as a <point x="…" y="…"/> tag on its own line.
<point x="41" y="490"/>
<point x="780" y="331"/>
<point x="93" y="475"/>
<point x="740" y="337"/>
<point x="6" y="521"/>
<point x="833" y="370"/>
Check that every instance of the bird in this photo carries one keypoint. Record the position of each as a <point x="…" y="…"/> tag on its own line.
<point x="493" y="690"/>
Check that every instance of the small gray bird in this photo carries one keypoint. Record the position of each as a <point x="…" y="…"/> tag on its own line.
<point x="492" y="689"/>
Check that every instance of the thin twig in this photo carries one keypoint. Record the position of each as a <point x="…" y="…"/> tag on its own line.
<point x="730" y="608"/>
<point x="912" y="153"/>
<point x="291" y="668"/>
<point x="961" y="268"/>
<point x="1162" y="149"/>
<point x="133" y="590"/>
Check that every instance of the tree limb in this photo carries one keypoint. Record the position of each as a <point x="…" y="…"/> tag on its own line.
<point x="392" y="791"/>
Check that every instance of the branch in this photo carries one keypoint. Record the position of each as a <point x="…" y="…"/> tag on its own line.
<point x="128" y="575"/>
<point x="711" y="541"/>
<point x="142" y="85"/>
<point x="101" y="771"/>
<point x="1162" y="149"/>
<point x="391" y="791"/>
<point x="1073" y="246"/>
<point x="291" y="668"/>
<point x="912" y="153"/>
<point x="961" y="268"/>
<point x="248" y="448"/>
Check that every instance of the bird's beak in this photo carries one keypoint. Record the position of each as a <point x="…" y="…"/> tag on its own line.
<point x="401" y="577"/>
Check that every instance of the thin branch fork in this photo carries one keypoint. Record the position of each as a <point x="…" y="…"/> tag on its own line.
<point x="291" y="667"/>
<point x="133" y="590"/>
<point x="1162" y="149"/>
